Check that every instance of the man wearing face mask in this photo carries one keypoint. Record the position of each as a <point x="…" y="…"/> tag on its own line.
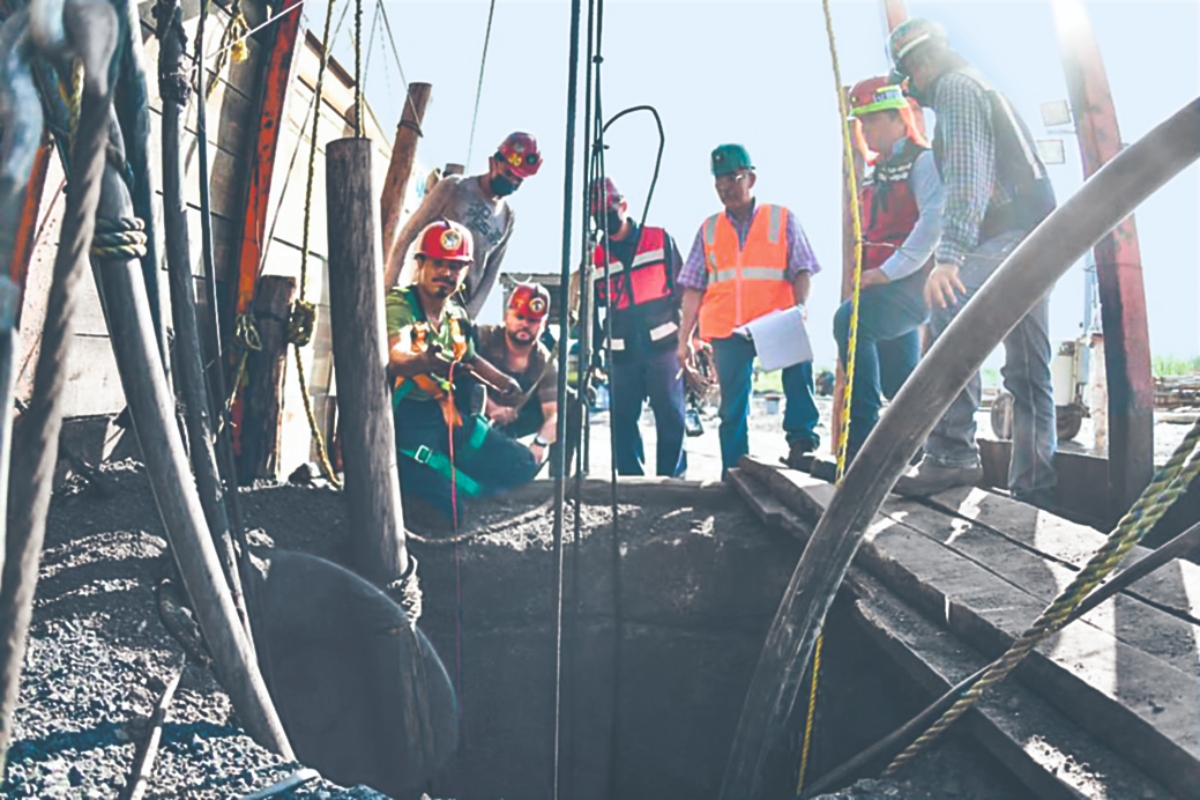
<point x="479" y="203"/>
<point x="640" y="296"/>
<point x="747" y="261"/>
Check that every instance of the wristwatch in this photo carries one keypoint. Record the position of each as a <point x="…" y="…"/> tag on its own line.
<point x="540" y="441"/>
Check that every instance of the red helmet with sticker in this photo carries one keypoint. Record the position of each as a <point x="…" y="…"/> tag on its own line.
<point x="520" y="151"/>
<point x="604" y="195"/>
<point x="530" y="300"/>
<point x="447" y="240"/>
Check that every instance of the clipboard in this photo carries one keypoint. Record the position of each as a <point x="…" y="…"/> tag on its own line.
<point x="780" y="338"/>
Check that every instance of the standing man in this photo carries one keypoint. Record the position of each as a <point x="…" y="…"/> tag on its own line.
<point x="902" y="206"/>
<point x="644" y="309"/>
<point x="515" y="348"/>
<point x="746" y="262"/>
<point x="996" y="192"/>
<point x="479" y="203"/>
<point x="443" y="455"/>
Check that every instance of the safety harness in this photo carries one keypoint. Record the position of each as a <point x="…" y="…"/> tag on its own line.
<point x="440" y="390"/>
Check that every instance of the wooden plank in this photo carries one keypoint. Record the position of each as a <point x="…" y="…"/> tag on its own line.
<point x="1175" y="589"/>
<point x="93" y="384"/>
<point x="1135" y="702"/>
<point x="1047" y="752"/>
<point x="1082" y="490"/>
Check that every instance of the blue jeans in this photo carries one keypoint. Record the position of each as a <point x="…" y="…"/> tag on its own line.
<point x="636" y="377"/>
<point x="889" y="345"/>
<point x="1026" y="374"/>
<point x="735" y="369"/>
<point x="500" y="463"/>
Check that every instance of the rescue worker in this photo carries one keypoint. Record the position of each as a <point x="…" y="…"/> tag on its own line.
<point x="746" y="262"/>
<point x="643" y="263"/>
<point x="996" y="192"/>
<point x="901" y="206"/>
<point x="445" y="456"/>
<point x="478" y="202"/>
<point x="516" y="349"/>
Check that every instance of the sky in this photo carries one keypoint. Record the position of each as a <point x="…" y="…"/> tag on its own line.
<point x="760" y="73"/>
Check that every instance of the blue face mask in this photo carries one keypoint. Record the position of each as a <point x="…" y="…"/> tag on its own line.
<point x="502" y="186"/>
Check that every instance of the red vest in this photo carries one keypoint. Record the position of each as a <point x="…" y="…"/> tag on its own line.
<point x="890" y="206"/>
<point x="645" y="307"/>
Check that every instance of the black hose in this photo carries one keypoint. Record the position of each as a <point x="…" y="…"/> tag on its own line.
<point x="559" y="465"/>
<point x="92" y="31"/>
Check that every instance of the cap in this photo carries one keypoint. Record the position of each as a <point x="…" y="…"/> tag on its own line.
<point x="730" y="158"/>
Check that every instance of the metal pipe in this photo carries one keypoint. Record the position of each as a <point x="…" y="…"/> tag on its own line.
<point x="1021" y="281"/>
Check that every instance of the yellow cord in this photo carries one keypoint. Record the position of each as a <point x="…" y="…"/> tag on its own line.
<point x="851" y="357"/>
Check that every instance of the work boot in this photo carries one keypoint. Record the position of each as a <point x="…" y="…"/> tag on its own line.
<point x="800" y="455"/>
<point x="928" y="478"/>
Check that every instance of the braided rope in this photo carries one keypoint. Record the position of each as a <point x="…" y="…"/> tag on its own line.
<point x="314" y="429"/>
<point x="124" y="237"/>
<point x="245" y="335"/>
<point x="851" y="357"/>
<point x="406" y="591"/>
<point x="1168" y="484"/>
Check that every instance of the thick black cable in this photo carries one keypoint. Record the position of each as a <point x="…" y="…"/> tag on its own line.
<point x="487" y="38"/>
<point x="582" y="379"/>
<point x="559" y="463"/>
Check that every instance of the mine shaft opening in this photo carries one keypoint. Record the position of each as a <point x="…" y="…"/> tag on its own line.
<point x="700" y="580"/>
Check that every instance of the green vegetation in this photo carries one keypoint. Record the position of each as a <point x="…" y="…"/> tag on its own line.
<point x="1174" y="366"/>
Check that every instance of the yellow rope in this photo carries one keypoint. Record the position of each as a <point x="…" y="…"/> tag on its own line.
<point x="851" y="356"/>
<point x="1167" y="486"/>
<point x="301" y="308"/>
<point x="245" y="335"/>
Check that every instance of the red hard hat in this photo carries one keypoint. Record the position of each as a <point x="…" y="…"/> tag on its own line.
<point x="876" y="94"/>
<point x="530" y="300"/>
<point x="447" y="240"/>
<point x="604" y="195"/>
<point x="520" y="152"/>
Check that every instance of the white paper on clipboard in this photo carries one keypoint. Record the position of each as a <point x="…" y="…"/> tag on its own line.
<point x="780" y="338"/>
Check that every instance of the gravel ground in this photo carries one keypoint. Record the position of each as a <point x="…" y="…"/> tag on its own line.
<point x="99" y="658"/>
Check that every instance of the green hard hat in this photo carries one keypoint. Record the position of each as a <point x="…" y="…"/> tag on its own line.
<point x="730" y="158"/>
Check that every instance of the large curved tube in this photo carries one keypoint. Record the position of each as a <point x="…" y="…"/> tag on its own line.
<point x="1032" y="269"/>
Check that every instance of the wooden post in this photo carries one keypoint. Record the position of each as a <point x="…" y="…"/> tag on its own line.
<point x="453" y="169"/>
<point x="261" y="420"/>
<point x="1118" y="269"/>
<point x="365" y="424"/>
<point x="404" y="151"/>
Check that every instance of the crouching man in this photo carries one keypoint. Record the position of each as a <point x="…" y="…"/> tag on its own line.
<point x="445" y="455"/>
<point x="516" y="349"/>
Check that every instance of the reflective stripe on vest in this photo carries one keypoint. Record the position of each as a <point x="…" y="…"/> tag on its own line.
<point x="744" y="280"/>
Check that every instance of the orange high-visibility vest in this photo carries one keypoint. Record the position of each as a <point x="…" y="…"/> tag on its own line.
<point x="744" y="283"/>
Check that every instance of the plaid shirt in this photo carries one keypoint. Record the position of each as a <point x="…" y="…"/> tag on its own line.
<point x="966" y="156"/>
<point x="800" y="258"/>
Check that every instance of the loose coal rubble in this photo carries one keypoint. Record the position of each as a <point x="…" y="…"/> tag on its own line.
<point x="99" y="658"/>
